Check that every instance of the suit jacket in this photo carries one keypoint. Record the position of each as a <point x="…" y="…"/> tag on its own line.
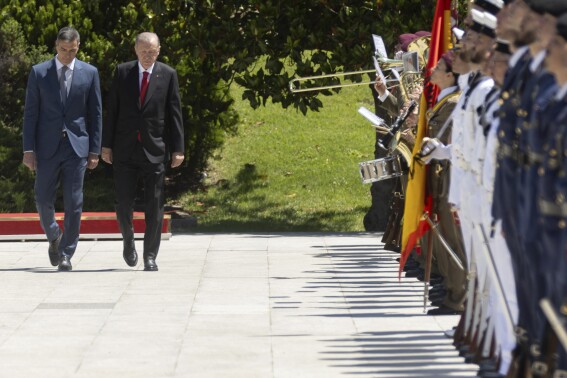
<point x="158" y="119"/>
<point x="45" y="116"/>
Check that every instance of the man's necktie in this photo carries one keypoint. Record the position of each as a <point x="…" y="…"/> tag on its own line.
<point x="143" y="90"/>
<point x="63" y="84"/>
<point x="144" y="87"/>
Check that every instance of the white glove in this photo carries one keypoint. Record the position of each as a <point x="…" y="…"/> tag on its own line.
<point x="433" y="149"/>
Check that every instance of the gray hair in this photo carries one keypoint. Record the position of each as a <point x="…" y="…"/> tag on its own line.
<point x="68" y="34"/>
<point x="147" y="37"/>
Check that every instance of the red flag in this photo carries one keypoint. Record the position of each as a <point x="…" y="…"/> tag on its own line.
<point x="416" y="204"/>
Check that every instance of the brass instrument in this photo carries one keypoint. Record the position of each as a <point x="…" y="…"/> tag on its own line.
<point x="385" y="64"/>
<point x="411" y="84"/>
<point x="421" y="46"/>
<point x="404" y="143"/>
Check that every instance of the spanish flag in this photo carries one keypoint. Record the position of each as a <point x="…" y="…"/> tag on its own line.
<point x="416" y="203"/>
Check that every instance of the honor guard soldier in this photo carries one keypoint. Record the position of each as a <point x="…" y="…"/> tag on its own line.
<point x="552" y="184"/>
<point x="505" y="200"/>
<point x="450" y="300"/>
<point x="532" y="125"/>
<point x="504" y="335"/>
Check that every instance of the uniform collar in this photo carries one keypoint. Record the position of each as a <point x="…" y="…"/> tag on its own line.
<point x="537" y="61"/>
<point x="561" y="93"/>
<point x="464" y="80"/>
<point x="445" y="92"/>
<point x="515" y="58"/>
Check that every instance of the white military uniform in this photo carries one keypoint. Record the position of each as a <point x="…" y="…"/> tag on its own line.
<point x="464" y="159"/>
<point x="467" y="164"/>
<point x="504" y="335"/>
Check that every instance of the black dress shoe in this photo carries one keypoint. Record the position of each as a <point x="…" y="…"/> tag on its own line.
<point x="438" y="302"/>
<point x="413" y="273"/>
<point x="436" y="296"/>
<point x="54" y="250"/>
<point x="129" y="253"/>
<point x="435" y="281"/>
<point x="438" y="286"/>
<point x="437" y="293"/>
<point x="65" y="264"/>
<point x="493" y="374"/>
<point x="487" y="365"/>
<point x="432" y="276"/>
<point x="150" y="265"/>
<point x="463" y="350"/>
<point x="443" y="310"/>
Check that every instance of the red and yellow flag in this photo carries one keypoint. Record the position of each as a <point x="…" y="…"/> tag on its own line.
<point x="416" y="203"/>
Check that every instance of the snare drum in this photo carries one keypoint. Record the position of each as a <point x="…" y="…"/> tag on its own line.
<point x="381" y="169"/>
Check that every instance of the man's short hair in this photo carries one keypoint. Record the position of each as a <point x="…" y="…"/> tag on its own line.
<point x="68" y="34"/>
<point x="147" y="37"/>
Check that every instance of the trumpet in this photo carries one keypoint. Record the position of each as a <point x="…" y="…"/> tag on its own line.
<point x="385" y="64"/>
<point x="294" y="85"/>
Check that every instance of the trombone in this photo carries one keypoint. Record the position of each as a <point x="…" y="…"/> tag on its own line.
<point x="385" y="64"/>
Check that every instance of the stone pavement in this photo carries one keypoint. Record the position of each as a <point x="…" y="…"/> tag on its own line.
<point x="221" y="305"/>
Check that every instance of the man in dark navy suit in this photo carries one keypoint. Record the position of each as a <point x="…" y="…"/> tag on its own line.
<point x="142" y="132"/>
<point x="61" y="137"/>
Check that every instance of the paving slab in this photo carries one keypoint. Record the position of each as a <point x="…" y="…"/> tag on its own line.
<point x="221" y="305"/>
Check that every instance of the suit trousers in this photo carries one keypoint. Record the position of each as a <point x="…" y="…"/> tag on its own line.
<point x="67" y="168"/>
<point x="126" y="176"/>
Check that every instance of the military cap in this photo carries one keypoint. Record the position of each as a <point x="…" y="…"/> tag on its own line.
<point x="405" y="40"/>
<point x="423" y="33"/>
<point x="502" y="46"/>
<point x="491" y="6"/>
<point x="490" y="22"/>
<point x="553" y="7"/>
<point x="562" y="26"/>
<point x="483" y="23"/>
<point x="477" y="17"/>
<point x="537" y="6"/>
<point x="448" y="58"/>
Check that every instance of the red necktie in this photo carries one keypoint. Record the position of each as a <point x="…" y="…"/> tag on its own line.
<point x="143" y="90"/>
<point x="144" y="87"/>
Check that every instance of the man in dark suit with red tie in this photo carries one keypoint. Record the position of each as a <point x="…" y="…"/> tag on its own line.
<point x="142" y="132"/>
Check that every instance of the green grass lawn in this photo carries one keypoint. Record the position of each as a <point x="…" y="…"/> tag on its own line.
<point x="287" y="172"/>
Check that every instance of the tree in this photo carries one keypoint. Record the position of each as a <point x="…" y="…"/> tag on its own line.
<point x="15" y="60"/>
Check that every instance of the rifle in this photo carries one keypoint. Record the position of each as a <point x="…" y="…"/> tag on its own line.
<point x="398" y="123"/>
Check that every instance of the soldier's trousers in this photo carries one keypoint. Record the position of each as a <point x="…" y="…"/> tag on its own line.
<point x="455" y="281"/>
<point x="554" y="276"/>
